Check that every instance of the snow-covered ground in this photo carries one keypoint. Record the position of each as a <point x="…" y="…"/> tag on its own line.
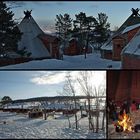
<point x="93" y="61"/>
<point x="20" y="126"/>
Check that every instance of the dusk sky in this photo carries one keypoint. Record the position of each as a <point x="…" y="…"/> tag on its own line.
<point x="45" y="12"/>
<point x="28" y="84"/>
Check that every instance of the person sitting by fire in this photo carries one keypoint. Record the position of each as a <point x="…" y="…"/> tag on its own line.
<point x="125" y="106"/>
<point x="133" y="107"/>
<point x="113" y="110"/>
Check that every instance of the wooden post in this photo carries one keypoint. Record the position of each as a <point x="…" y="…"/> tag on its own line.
<point x="81" y="111"/>
<point x="45" y="117"/>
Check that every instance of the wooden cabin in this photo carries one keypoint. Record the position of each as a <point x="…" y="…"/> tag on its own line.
<point x="120" y="41"/>
<point x="52" y="44"/>
<point x="106" y="50"/>
<point x="74" y="47"/>
<point x="117" y="42"/>
<point x="131" y="53"/>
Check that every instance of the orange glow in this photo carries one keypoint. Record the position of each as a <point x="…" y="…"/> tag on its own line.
<point x="126" y="122"/>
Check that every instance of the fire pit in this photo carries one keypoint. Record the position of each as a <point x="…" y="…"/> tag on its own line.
<point x="127" y="126"/>
<point x="124" y="123"/>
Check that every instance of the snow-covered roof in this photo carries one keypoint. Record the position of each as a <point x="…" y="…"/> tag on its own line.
<point x="30" y="39"/>
<point x="12" y="54"/>
<point x="73" y="38"/>
<point x="133" y="47"/>
<point x="107" y="46"/>
<point x="129" y="28"/>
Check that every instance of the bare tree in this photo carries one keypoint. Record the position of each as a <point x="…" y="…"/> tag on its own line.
<point x="86" y="88"/>
<point x="98" y="91"/>
<point x="90" y="90"/>
<point x="68" y="90"/>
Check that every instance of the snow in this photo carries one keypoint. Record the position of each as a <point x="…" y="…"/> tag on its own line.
<point x="30" y="39"/>
<point x="21" y="127"/>
<point x="129" y="28"/>
<point x="12" y="54"/>
<point x="73" y="38"/>
<point x="93" y="61"/>
<point x="107" y="46"/>
<point x="24" y="105"/>
<point x="28" y="105"/>
<point x="133" y="47"/>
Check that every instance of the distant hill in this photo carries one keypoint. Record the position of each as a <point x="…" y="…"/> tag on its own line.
<point x="61" y="98"/>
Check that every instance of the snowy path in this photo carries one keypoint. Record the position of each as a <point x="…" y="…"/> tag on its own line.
<point x="93" y="61"/>
<point x="19" y="126"/>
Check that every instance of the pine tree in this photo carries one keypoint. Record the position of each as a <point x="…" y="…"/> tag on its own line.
<point x="6" y="99"/>
<point x="63" y="25"/>
<point x="83" y="25"/>
<point x="9" y="32"/>
<point x="101" y="28"/>
<point x="79" y="29"/>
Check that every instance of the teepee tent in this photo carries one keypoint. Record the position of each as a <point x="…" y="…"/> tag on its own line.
<point x="30" y="40"/>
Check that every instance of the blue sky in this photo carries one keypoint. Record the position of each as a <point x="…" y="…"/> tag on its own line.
<point x="45" y="12"/>
<point x="28" y="84"/>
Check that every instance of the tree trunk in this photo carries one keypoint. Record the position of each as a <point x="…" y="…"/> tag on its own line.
<point x="76" y="121"/>
<point x="86" y="47"/>
<point x="103" y="120"/>
<point x="97" y="117"/>
<point x="69" y="122"/>
<point x="75" y="114"/>
<point x="89" y="112"/>
<point x="97" y="123"/>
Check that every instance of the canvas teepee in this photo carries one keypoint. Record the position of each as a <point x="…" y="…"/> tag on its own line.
<point x="30" y="40"/>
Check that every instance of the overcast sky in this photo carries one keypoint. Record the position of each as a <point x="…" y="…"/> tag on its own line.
<point x="45" y="12"/>
<point x="28" y="84"/>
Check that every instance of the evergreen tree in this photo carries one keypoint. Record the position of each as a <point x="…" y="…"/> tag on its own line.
<point x="79" y="22"/>
<point x="6" y="99"/>
<point x="79" y="29"/>
<point x="9" y="32"/>
<point x="102" y="27"/>
<point x="90" y="25"/>
<point x="63" y="25"/>
<point x="83" y="25"/>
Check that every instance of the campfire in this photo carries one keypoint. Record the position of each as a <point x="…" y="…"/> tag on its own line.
<point x="127" y="126"/>
<point x="124" y="123"/>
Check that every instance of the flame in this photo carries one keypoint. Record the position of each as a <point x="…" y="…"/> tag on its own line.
<point x="126" y="122"/>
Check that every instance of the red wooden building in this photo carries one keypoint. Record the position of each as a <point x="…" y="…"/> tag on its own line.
<point x="74" y="47"/>
<point x="123" y="85"/>
<point x="52" y="44"/>
<point x="120" y="41"/>
<point x="131" y="53"/>
<point x="113" y="47"/>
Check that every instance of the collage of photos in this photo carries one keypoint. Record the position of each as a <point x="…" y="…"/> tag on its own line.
<point x="69" y="70"/>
